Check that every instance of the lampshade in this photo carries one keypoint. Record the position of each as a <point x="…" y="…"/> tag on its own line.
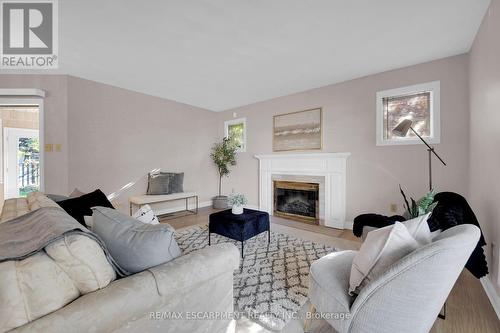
<point x="402" y="128"/>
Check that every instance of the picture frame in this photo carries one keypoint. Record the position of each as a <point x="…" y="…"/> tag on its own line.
<point x="299" y="130"/>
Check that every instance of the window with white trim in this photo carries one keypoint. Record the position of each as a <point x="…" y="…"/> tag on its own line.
<point x="419" y="103"/>
<point x="237" y="129"/>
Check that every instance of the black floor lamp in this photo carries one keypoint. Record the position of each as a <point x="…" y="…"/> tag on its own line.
<point x="402" y="129"/>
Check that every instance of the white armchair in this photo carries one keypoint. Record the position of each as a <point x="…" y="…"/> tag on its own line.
<point x="406" y="298"/>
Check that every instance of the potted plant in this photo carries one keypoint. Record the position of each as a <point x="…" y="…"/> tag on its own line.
<point x="224" y="155"/>
<point x="237" y="201"/>
<point x="420" y="207"/>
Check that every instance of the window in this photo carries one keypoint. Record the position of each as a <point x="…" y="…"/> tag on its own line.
<point x="237" y="129"/>
<point x="418" y="103"/>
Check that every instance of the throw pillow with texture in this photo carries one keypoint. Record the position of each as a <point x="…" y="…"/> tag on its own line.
<point x="382" y="248"/>
<point x="134" y="245"/>
<point x="146" y="215"/>
<point x="159" y="183"/>
<point x="82" y="205"/>
<point x="177" y="182"/>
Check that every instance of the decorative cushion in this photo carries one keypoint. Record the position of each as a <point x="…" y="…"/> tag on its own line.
<point x="419" y="229"/>
<point x="82" y="205"/>
<point x="32" y="288"/>
<point x="165" y="183"/>
<point x="76" y="193"/>
<point x="134" y="245"/>
<point x="146" y="215"/>
<point x="382" y="248"/>
<point x="83" y="260"/>
<point x="177" y="183"/>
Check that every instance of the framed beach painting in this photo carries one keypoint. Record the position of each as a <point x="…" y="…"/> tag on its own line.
<point x="299" y="130"/>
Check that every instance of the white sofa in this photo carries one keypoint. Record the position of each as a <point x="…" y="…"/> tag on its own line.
<point x="184" y="295"/>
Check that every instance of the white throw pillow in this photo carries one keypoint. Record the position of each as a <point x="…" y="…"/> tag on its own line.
<point x="419" y="229"/>
<point x="382" y="248"/>
<point x="146" y="215"/>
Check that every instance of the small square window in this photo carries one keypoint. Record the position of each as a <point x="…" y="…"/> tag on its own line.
<point x="237" y="129"/>
<point x="419" y="103"/>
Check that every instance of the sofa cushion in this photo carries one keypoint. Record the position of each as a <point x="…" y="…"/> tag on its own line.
<point x="38" y="200"/>
<point x="32" y="288"/>
<point x="83" y="260"/>
<point x="134" y="245"/>
<point x="382" y="248"/>
<point x="82" y="205"/>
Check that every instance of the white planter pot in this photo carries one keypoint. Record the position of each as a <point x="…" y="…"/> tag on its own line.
<point x="237" y="210"/>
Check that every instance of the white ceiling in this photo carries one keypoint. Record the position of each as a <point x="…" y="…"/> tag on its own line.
<point x="220" y="54"/>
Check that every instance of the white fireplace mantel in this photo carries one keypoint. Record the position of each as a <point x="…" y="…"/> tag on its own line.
<point x="331" y="166"/>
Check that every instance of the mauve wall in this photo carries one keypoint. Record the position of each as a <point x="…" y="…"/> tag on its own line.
<point x="116" y="136"/>
<point x="55" y="118"/>
<point x="349" y="112"/>
<point x="485" y="133"/>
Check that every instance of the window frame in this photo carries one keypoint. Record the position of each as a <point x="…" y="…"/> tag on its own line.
<point x="235" y="122"/>
<point x="434" y="88"/>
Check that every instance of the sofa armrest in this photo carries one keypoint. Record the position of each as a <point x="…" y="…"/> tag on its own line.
<point x="195" y="267"/>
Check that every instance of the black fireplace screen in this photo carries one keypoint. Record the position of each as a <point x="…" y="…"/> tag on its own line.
<point x="297" y="202"/>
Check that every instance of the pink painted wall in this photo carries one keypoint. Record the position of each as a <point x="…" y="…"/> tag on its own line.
<point x="56" y="120"/>
<point x="116" y="136"/>
<point x="349" y="112"/>
<point x="484" y="182"/>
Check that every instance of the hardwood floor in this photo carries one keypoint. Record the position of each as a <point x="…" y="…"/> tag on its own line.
<point x="468" y="308"/>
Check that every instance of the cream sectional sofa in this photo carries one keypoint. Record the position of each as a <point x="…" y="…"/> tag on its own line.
<point x="69" y="287"/>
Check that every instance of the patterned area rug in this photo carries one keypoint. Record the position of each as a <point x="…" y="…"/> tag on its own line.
<point x="271" y="285"/>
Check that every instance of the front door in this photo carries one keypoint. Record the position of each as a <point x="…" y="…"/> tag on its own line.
<point x="21" y="161"/>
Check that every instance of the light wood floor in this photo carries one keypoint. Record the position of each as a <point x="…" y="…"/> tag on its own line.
<point x="468" y="307"/>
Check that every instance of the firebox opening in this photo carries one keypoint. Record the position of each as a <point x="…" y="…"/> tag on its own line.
<point x="297" y="200"/>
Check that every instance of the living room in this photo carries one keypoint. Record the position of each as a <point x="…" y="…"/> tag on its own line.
<point x="274" y="148"/>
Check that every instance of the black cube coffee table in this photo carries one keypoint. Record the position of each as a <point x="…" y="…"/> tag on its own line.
<point x="239" y="227"/>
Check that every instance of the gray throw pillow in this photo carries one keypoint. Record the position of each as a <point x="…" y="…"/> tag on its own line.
<point x="165" y="183"/>
<point x="57" y="197"/>
<point x="159" y="183"/>
<point x="177" y="182"/>
<point x="135" y="246"/>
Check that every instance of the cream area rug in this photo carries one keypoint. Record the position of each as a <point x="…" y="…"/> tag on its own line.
<point x="271" y="285"/>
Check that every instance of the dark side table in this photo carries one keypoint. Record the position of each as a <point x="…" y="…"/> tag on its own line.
<point x="239" y="227"/>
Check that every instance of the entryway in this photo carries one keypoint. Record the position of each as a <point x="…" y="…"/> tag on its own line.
<point x="21" y="150"/>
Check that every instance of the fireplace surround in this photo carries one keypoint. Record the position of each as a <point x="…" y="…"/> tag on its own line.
<point x="329" y="167"/>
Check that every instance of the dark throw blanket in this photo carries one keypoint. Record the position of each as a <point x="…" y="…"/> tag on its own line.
<point x="32" y="232"/>
<point x="452" y="209"/>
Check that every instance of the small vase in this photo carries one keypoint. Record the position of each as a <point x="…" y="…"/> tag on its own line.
<point x="237" y="210"/>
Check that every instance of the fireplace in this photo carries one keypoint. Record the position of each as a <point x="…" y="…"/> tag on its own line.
<point x="297" y="201"/>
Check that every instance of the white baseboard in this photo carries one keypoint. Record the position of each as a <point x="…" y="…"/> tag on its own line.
<point x="492" y="294"/>
<point x="181" y="208"/>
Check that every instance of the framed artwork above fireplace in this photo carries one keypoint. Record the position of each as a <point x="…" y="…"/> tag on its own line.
<point x="300" y="130"/>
